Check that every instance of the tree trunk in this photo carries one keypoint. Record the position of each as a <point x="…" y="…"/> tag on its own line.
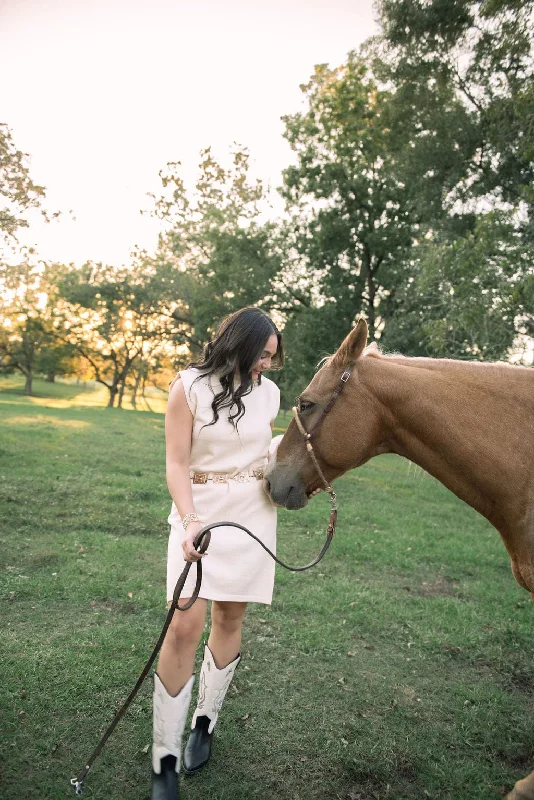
<point x="121" y="377"/>
<point x="112" y="395"/>
<point x="51" y="377"/>
<point x="371" y="291"/>
<point x="136" y="388"/>
<point x="28" y="386"/>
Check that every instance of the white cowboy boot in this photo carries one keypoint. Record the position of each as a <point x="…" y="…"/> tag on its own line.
<point x="169" y="718"/>
<point x="212" y="689"/>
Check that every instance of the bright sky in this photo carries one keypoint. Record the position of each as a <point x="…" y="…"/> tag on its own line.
<point x="102" y="94"/>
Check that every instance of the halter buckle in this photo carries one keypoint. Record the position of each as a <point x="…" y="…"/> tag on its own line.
<point x="345" y="376"/>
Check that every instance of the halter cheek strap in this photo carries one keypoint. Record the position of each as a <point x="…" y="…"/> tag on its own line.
<point x="308" y="435"/>
<point x="309" y="448"/>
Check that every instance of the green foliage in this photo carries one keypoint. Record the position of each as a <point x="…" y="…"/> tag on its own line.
<point x="480" y="52"/>
<point x="118" y="319"/>
<point x="469" y="297"/>
<point x="523" y="298"/>
<point x="463" y="75"/>
<point x="21" y="345"/>
<point x="354" y="215"/>
<point x="18" y="192"/>
<point x="309" y="335"/>
<point x="213" y="245"/>
<point x="27" y="318"/>
<point x="410" y="203"/>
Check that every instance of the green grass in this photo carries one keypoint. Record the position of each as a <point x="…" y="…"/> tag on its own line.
<point x="401" y="667"/>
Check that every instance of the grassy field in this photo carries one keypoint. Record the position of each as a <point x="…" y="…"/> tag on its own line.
<point x="402" y="667"/>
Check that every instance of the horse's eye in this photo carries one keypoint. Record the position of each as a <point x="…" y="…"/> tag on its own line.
<point x="305" y="405"/>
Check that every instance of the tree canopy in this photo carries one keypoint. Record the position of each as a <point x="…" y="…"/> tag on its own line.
<point x="409" y="201"/>
<point x="18" y="192"/>
<point x="215" y="250"/>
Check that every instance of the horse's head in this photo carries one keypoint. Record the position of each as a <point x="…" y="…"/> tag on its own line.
<point x="347" y="437"/>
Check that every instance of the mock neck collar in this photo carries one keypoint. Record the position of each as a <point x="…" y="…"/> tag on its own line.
<point x="237" y="382"/>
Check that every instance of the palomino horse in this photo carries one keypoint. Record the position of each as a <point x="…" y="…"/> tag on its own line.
<point x="470" y="425"/>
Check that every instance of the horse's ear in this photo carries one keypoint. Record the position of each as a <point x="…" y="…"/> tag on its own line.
<point x="353" y="345"/>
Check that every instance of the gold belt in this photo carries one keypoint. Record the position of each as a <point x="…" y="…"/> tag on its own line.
<point x="224" y="477"/>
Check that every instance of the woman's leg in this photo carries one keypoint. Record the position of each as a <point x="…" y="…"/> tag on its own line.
<point x="173" y="683"/>
<point x="225" y="637"/>
<point x="177" y="656"/>
<point x="221" y="657"/>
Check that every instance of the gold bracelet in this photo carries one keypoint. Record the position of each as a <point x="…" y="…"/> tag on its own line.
<point x="191" y="517"/>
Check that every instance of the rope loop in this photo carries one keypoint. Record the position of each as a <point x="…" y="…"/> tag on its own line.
<point x="201" y="543"/>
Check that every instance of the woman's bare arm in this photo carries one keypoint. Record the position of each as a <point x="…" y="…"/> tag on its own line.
<point x="178" y="431"/>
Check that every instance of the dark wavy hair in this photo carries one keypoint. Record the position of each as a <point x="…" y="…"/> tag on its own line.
<point x="238" y="344"/>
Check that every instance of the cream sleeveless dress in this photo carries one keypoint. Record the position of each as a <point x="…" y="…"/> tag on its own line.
<point x="236" y="567"/>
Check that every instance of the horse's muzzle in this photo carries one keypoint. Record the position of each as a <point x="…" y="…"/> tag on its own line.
<point x="285" y="488"/>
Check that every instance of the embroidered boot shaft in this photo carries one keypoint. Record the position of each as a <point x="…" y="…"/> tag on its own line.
<point x="169" y="719"/>
<point x="212" y="688"/>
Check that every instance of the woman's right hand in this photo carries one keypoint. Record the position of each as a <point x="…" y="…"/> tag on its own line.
<point x="190" y="554"/>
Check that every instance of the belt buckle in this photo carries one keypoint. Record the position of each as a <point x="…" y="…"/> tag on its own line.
<point x="258" y="473"/>
<point x="220" y="478"/>
<point x="200" y="477"/>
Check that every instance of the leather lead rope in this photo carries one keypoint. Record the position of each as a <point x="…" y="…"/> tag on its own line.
<point x="201" y="543"/>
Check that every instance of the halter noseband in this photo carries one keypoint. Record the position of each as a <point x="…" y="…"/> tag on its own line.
<point x="308" y="435"/>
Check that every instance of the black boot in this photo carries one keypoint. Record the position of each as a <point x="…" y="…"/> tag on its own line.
<point x="213" y="685"/>
<point x="166" y="786"/>
<point x="198" y="749"/>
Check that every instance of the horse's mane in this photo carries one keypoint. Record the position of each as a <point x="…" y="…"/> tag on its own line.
<point x="372" y="350"/>
<point x="322" y="362"/>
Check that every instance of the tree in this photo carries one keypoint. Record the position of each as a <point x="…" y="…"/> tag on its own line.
<point x="307" y="339"/>
<point x="18" y="192"/>
<point x="27" y="337"/>
<point x="481" y="51"/>
<point x="116" y="318"/>
<point x="354" y="213"/>
<point x="469" y="297"/>
<point x="21" y="342"/>
<point x="217" y="254"/>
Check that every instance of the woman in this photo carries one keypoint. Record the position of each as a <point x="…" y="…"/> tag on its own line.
<point x="218" y="431"/>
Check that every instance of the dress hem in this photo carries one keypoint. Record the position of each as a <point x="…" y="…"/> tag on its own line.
<point x="233" y="599"/>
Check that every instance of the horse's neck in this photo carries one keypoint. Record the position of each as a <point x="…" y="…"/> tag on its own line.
<point x="464" y="423"/>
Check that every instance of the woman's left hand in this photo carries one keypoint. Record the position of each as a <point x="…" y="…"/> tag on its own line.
<point x="315" y="491"/>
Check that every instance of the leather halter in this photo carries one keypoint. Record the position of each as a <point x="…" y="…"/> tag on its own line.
<point x="309" y="447"/>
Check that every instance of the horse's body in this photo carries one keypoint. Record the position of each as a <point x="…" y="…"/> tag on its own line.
<point x="470" y="425"/>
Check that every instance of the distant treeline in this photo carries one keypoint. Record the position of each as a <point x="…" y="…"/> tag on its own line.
<point x="410" y="202"/>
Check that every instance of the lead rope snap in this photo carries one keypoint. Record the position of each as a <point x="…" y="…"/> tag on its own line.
<point x="78" y="785"/>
